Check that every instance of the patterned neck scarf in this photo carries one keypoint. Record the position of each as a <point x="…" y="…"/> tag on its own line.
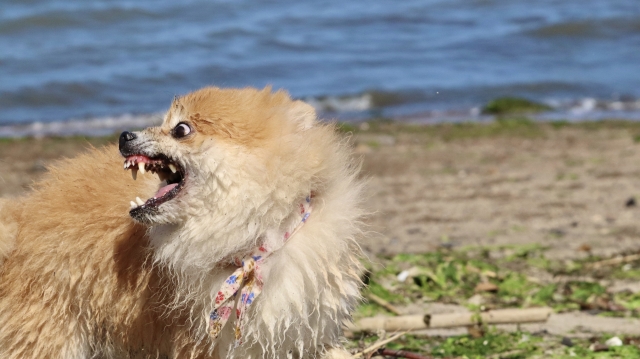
<point x="247" y="280"/>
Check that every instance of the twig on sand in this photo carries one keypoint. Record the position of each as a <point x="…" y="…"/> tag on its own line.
<point x="383" y="303"/>
<point x="378" y="345"/>
<point x="614" y="261"/>
<point x="451" y="320"/>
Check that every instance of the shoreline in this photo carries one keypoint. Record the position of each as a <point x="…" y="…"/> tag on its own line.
<point x="564" y="186"/>
<point x="358" y="108"/>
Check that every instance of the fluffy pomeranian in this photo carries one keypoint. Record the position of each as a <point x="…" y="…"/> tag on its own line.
<point x="236" y="237"/>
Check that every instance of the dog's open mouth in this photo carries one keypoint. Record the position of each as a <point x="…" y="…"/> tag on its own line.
<point x="171" y="175"/>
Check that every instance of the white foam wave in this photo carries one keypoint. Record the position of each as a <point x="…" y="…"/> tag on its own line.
<point x="101" y="126"/>
<point x="354" y="103"/>
<point x="584" y="109"/>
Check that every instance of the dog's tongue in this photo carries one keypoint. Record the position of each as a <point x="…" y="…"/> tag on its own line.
<point x="164" y="190"/>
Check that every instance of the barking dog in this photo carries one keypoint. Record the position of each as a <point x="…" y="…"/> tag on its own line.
<point x="242" y="246"/>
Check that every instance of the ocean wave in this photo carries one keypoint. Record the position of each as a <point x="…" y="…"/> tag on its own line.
<point x="365" y="101"/>
<point x="102" y="126"/>
<point x="46" y="21"/>
<point x="402" y="107"/>
<point x="590" y="104"/>
<point x="590" y="29"/>
<point x="72" y="18"/>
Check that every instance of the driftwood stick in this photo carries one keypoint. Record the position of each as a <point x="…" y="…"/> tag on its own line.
<point x="375" y="346"/>
<point x="614" y="261"/>
<point x="451" y="320"/>
<point x="383" y="303"/>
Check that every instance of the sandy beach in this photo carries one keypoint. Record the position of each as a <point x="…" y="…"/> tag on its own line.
<point x="571" y="189"/>
<point x="566" y="189"/>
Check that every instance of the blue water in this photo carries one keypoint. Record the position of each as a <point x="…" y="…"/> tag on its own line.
<point x="78" y="59"/>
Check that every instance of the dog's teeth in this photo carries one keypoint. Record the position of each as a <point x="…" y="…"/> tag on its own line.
<point x="172" y="168"/>
<point x="134" y="173"/>
<point x="133" y="205"/>
<point x="125" y="165"/>
<point x="140" y="202"/>
<point x="141" y="167"/>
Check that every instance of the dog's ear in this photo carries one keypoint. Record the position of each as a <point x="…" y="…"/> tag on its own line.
<point x="303" y="114"/>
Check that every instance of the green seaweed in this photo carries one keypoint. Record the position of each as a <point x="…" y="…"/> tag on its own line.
<point x="513" y="106"/>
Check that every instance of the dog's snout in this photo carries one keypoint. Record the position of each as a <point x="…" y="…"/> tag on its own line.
<point x="125" y="137"/>
<point x="125" y="143"/>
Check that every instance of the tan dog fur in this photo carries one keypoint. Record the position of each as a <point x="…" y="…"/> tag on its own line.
<point x="81" y="279"/>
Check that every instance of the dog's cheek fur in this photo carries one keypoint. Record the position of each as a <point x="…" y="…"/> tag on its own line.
<point x="8" y="229"/>
<point x="234" y="194"/>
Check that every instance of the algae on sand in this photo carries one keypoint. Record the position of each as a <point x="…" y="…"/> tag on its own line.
<point x="513" y="106"/>
<point x="523" y="279"/>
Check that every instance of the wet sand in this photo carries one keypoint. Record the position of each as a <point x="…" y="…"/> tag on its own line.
<point x="566" y="189"/>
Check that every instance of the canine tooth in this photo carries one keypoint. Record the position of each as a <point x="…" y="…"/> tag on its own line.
<point x="141" y="167"/>
<point x="140" y="202"/>
<point x="134" y="173"/>
<point x="172" y="168"/>
<point x="133" y="205"/>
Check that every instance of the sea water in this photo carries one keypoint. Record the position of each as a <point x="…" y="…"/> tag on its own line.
<point x="93" y="67"/>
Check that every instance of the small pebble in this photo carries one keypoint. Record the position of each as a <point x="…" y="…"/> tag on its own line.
<point x="596" y="347"/>
<point x="566" y="342"/>
<point x="402" y="276"/>
<point x="614" y="342"/>
<point x="476" y="299"/>
<point x="486" y="287"/>
<point x="631" y="202"/>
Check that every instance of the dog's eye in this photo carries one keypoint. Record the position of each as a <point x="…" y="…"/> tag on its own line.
<point x="181" y="130"/>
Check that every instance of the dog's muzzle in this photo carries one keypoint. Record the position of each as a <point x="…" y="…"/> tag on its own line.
<point x="126" y="143"/>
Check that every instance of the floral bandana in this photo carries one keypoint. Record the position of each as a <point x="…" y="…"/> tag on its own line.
<point x="248" y="280"/>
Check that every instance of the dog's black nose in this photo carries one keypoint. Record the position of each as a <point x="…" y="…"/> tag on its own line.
<point x="125" y="137"/>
